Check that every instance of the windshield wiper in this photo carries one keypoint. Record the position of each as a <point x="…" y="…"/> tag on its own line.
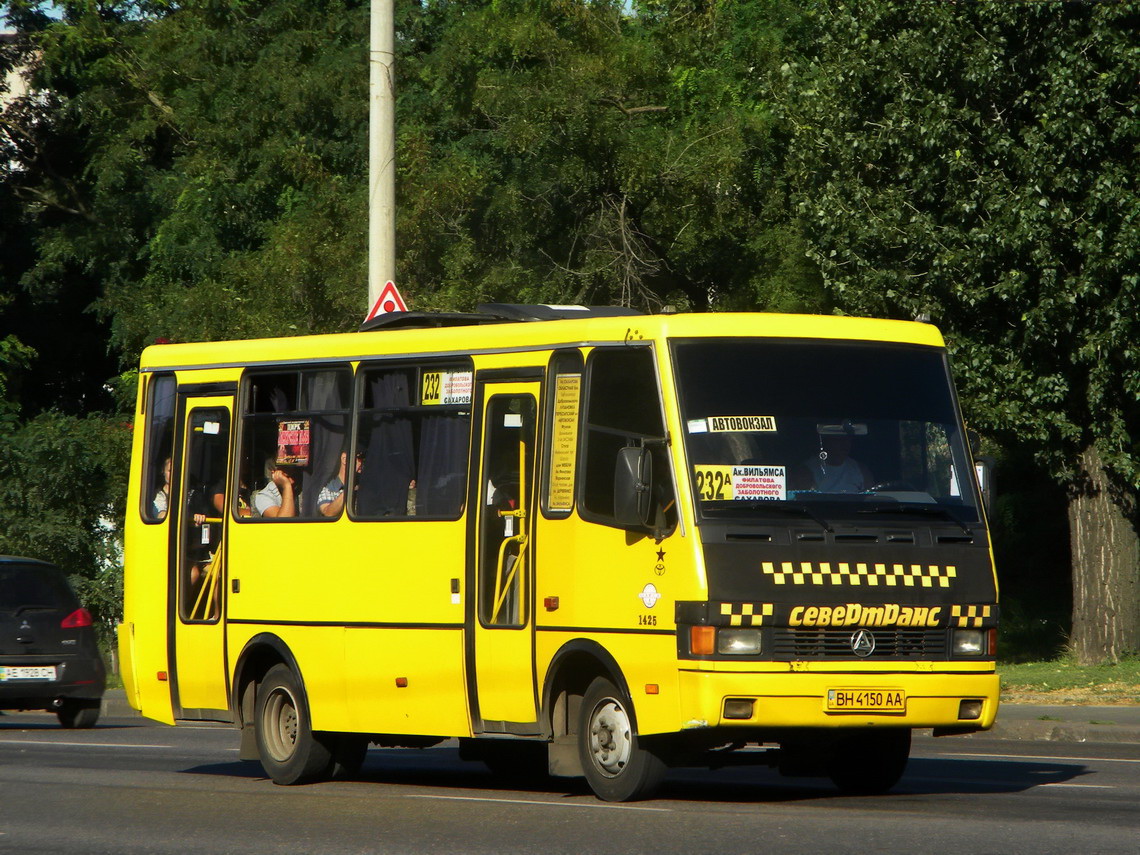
<point x="912" y="508"/>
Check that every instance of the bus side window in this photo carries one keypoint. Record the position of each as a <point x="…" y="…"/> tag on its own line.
<point x="295" y="421"/>
<point x="413" y="431"/>
<point x="155" y="492"/>
<point x="623" y="409"/>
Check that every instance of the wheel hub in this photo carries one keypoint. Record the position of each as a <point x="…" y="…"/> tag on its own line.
<point x="610" y="738"/>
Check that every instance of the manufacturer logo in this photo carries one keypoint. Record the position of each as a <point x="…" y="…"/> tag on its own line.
<point x="863" y="643"/>
<point x="649" y="596"/>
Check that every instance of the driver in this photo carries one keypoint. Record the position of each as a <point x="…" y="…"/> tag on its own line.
<point x="834" y="470"/>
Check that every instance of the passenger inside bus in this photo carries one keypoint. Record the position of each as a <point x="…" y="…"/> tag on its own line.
<point x="278" y="498"/>
<point x="833" y="469"/>
<point x="161" y="500"/>
<point x="330" y="502"/>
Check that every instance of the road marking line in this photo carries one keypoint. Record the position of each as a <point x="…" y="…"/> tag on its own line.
<point x="1044" y="757"/>
<point x="78" y="744"/>
<point x="1080" y="786"/>
<point x="535" y="802"/>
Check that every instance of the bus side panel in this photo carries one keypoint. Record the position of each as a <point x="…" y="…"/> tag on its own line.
<point x="608" y="579"/>
<point x="404" y="681"/>
<point x="360" y="604"/>
<point x="318" y="652"/>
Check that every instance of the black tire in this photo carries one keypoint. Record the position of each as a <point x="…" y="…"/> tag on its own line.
<point x="289" y="750"/>
<point x="869" y="763"/>
<point x="617" y="767"/>
<point x="79" y="714"/>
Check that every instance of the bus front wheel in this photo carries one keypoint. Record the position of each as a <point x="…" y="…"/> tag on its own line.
<point x="617" y="767"/>
<point x="290" y="752"/>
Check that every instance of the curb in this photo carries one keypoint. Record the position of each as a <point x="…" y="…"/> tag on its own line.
<point x="1119" y="725"/>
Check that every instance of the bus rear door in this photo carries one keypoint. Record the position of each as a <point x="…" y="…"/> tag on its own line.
<point x="198" y="680"/>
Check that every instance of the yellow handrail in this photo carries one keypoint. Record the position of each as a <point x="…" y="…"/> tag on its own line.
<point x="209" y="587"/>
<point x="503" y="584"/>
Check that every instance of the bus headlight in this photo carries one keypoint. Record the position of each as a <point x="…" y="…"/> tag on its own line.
<point x="969" y="642"/>
<point x="738" y="642"/>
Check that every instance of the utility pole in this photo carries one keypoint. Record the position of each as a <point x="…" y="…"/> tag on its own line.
<point x="381" y="149"/>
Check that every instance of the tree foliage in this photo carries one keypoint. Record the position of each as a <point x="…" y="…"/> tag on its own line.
<point x="974" y="163"/>
<point x="570" y="151"/>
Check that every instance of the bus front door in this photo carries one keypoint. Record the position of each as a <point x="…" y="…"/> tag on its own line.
<point x="198" y="679"/>
<point x="503" y="684"/>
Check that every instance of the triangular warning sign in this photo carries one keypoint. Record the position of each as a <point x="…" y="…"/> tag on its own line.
<point x="388" y="301"/>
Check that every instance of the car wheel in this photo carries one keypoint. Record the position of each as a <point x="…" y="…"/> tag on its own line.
<point x="617" y="767"/>
<point x="290" y="752"/>
<point x="79" y="714"/>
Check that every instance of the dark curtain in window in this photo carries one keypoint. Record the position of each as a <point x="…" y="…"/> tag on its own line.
<point x="443" y="465"/>
<point x="389" y="463"/>
<point x="326" y="437"/>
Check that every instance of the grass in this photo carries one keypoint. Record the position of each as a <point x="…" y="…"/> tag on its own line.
<point x="1062" y="681"/>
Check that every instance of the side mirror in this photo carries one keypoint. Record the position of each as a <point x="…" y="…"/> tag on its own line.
<point x="633" y="480"/>
<point x="984" y="472"/>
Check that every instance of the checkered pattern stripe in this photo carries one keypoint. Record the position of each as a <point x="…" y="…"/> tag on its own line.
<point x="970" y="616"/>
<point x="870" y="575"/>
<point x="746" y="614"/>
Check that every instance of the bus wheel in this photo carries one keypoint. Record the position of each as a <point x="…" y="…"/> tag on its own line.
<point x="290" y="753"/>
<point x="617" y="767"/>
<point x="869" y="763"/>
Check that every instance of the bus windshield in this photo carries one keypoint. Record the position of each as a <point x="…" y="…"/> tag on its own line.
<point x="865" y="431"/>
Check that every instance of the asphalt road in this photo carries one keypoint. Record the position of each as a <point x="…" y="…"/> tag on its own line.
<point x="132" y="786"/>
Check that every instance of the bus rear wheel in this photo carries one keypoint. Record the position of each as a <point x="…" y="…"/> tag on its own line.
<point x="869" y="763"/>
<point x="617" y="767"/>
<point x="290" y="752"/>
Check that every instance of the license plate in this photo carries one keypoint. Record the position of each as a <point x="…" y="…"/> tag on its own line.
<point x="33" y="673"/>
<point x="866" y="700"/>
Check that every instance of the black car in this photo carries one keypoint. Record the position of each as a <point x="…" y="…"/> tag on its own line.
<point x="48" y="656"/>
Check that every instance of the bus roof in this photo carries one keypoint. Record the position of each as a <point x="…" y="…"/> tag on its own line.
<point x="488" y="334"/>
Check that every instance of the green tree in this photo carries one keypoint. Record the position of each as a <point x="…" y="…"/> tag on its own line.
<point x="975" y="163"/>
<point x="215" y="187"/>
<point x="577" y="152"/>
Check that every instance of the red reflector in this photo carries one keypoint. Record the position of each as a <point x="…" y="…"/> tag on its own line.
<point x="161" y="676"/>
<point x="78" y="618"/>
<point x="401" y="682"/>
<point x="551" y="604"/>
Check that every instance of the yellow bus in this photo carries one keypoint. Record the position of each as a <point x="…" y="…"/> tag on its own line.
<point x="584" y="542"/>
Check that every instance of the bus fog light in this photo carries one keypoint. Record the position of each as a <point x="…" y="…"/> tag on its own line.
<point x="738" y="708"/>
<point x="970" y="710"/>
<point x="738" y="641"/>
<point x="969" y="642"/>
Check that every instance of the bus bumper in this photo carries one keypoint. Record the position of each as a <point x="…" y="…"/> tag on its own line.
<point x="950" y="701"/>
